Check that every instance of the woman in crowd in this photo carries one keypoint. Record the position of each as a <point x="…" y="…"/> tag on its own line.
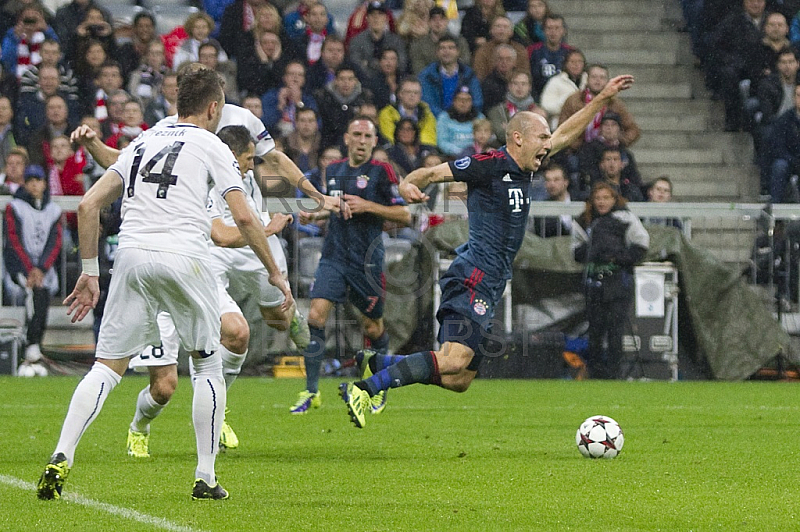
<point x="93" y="29"/>
<point x="530" y="29"/>
<point x="609" y="240"/>
<point x="407" y="153"/>
<point x="383" y="82"/>
<point x="477" y="19"/>
<point x="454" y="126"/>
<point x="198" y="27"/>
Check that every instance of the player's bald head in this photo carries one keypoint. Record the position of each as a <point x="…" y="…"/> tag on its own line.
<point x="525" y="123"/>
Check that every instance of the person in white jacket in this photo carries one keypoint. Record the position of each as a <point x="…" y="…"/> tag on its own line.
<point x="570" y="80"/>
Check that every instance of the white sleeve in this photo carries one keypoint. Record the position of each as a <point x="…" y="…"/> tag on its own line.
<point x="216" y="205"/>
<point x="264" y="141"/>
<point x="122" y="165"/>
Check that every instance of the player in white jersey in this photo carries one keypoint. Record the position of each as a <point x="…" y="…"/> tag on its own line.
<point x="161" y="265"/>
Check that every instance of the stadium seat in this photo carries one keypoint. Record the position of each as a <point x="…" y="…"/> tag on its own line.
<point x="169" y="16"/>
<point x="122" y="13"/>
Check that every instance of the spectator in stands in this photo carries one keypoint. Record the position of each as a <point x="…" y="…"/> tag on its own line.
<point x="145" y="82"/>
<point x="198" y="26"/>
<point x="8" y="82"/>
<point x="303" y="144"/>
<point x="571" y="79"/>
<point x="133" y="53"/>
<point x="318" y="178"/>
<point x="454" y="126"/>
<point x="116" y="113"/>
<point x="518" y="98"/>
<point x="252" y="103"/>
<point x="610" y="240"/>
<point x="87" y="69"/>
<point x="785" y="145"/>
<point x="166" y="101"/>
<point x="132" y="124"/>
<point x="309" y="43"/>
<point x="776" y="32"/>
<point x="208" y="55"/>
<point x="365" y="48"/>
<point x="409" y="105"/>
<point x="261" y="70"/>
<point x="281" y="103"/>
<point x="383" y="83"/>
<point x="65" y="174"/>
<point x="268" y="19"/>
<point x="413" y="22"/>
<point x="477" y="20"/>
<point x="238" y="20"/>
<point x="21" y="44"/>
<point x="596" y="80"/>
<point x="660" y="191"/>
<point x="107" y="81"/>
<point x="7" y="141"/>
<point x="369" y="110"/>
<point x="441" y="79"/>
<point x="358" y="21"/>
<point x="30" y="111"/>
<point x="56" y="123"/>
<point x="500" y="35"/>
<point x="556" y="183"/>
<point x="50" y="52"/>
<point x="70" y="16"/>
<point x="495" y="85"/>
<point x="530" y="29"/>
<point x="407" y="152"/>
<point x="91" y="170"/>
<point x="32" y="236"/>
<point x="422" y="50"/>
<point x="774" y="96"/>
<point x="547" y="58"/>
<point x="611" y="167"/>
<point x="482" y="138"/>
<point x="331" y="57"/>
<point x="734" y="49"/>
<point x="591" y="153"/>
<point x="13" y="175"/>
<point x="338" y="102"/>
<point x="295" y="22"/>
<point x="93" y="29"/>
<point x="794" y="31"/>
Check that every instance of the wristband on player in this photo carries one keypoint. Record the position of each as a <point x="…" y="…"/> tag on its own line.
<point x="90" y="267"/>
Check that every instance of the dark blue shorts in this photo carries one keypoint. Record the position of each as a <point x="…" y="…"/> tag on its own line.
<point x="365" y="289"/>
<point x="466" y="313"/>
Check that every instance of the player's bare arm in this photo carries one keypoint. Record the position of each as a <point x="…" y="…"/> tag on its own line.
<point x="567" y="132"/>
<point x="252" y="229"/>
<point x="392" y="213"/>
<point x="229" y="236"/>
<point x="103" y="155"/>
<point x="277" y="163"/>
<point x="86" y="293"/>
<point x="412" y="185"/>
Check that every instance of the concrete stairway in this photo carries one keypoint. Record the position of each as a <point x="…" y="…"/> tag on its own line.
<point x="681" y="126"/>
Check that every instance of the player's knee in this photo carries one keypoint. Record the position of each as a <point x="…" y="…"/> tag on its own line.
<point x="235" y="333"/>
<point x="275" y="319"/>
<point x="162" y="388"/>
<point x="458" y="383"/>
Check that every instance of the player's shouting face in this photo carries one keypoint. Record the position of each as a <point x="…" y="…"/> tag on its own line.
<point x="529" y="140"/>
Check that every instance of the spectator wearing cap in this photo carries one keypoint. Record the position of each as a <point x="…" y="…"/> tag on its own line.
<point x="358" y="23"/>
<point x="366" y="47"/>
<point x="591" y="152"/>
<point x="32" y="244"/>
<point x="422" y="51"/>
<point x="409" y="105"/>
<point x="441" y="79"/>
<point x="501" y="32"/>
<point x="337" y="103"/>
<point x="454" y="126"/>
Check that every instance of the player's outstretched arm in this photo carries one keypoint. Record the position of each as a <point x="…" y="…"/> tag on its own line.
<point x="103" y="155"/>
<point x="252" y="230"/>
<point x="277" y="163"/>
<point x="567" y="132"/>
<point x="86" y="293"/>
<point x="412" y="185"/>
<point x="228" y="236"/>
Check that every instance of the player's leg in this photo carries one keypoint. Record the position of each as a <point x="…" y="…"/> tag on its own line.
<point x="235" y="339"/>
<point x="208" y="412"/>
<point x="368" y="293"/>
<point x="313" y="354"/>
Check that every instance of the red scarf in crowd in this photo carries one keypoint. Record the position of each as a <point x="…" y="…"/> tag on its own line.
<point x="28" y="53"/>
<point x="593" y="129"/>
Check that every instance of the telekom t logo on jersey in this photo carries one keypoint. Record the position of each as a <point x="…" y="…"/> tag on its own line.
<point x="515" y="198"/>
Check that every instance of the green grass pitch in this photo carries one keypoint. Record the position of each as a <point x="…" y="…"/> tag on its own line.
<point x="697" y="456"/>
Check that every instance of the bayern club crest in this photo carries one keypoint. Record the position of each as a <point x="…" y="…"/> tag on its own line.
<point x="361" y="181"/>
<point x="479" y="307"/>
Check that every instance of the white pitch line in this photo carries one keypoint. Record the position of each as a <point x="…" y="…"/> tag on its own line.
<point x="119" y="511"/>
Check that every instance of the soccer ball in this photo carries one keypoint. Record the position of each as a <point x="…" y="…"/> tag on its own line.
<point x="26" y="370"/>
<point x="599" y="437"/>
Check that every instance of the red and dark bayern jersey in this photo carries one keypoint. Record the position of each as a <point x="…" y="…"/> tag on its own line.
<point x="498" y="201"/>
<point x="358" y="241"/>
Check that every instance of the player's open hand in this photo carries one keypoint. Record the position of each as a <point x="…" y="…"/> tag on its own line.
<point x="411" y="193"/>
<point x="617" y="85"/>
<point x="84" y="297"/>
<point x="278" y="281"/>
<point x="83" y="135"/>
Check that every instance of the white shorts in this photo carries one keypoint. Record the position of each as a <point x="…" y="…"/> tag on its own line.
<point x="147" y="282"/>
<point x="242" y="271"/>
<point x="166" y="354"/>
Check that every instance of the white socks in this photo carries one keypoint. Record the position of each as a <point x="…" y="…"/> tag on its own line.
<point x="208" y="412"/>
<point x="231" y="364"/>
<point x="146" y="410"/>
<point x="87" y="401"/>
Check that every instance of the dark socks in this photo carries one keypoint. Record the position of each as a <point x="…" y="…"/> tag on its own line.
<point x="379" y="344"/>
<point x="417" y="368"/>
<point x="313" y="358"/>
